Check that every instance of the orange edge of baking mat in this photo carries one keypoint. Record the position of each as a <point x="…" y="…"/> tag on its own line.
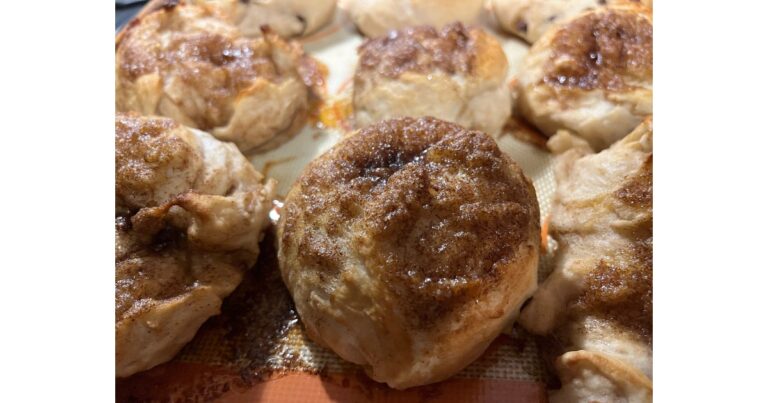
<point x="178" y="381"/>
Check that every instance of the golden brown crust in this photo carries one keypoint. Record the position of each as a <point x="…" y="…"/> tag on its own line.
<point x="599" y="296"/>
<point x="188" y="219"/>
<point x="531" y="19"/>
<point x="638" y="190"/>
<point x="622" y="293"/>
<point x="409" y="246"/>
<point x="457" y="74"/>
<point x="182" y="62"/>
<point x="619" y="288"/>
<point x="436" y="210"/>
<point x="159" y="266"/>
<point x="216" y="65"/>
<point x="153" y="255"/>
<point x="421" y="49"/>
<point x="606" y="50"/>
<point x="145" y="156"/>
<point x="591" y="74"/>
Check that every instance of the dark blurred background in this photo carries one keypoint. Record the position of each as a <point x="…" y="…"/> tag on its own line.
<point x="125" y="9"/>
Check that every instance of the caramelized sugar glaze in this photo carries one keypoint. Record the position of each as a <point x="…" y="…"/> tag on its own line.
<point x="420" y="49"/>
<point x="607" y="50"/>
<point x="434" y="209"/>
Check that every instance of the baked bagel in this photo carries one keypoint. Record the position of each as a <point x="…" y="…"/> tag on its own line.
<point x="189" y="215"/>
<point x="182" y="62"/>
<point x="456" y="74"/>
<point x="592" y="75"/>
<point x="287" y="18"/>
<point x="378" y="17"/>
<point x="408" y="246"/>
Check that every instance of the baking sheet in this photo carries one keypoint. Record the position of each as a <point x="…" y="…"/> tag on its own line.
<point x="258" y="338"/>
